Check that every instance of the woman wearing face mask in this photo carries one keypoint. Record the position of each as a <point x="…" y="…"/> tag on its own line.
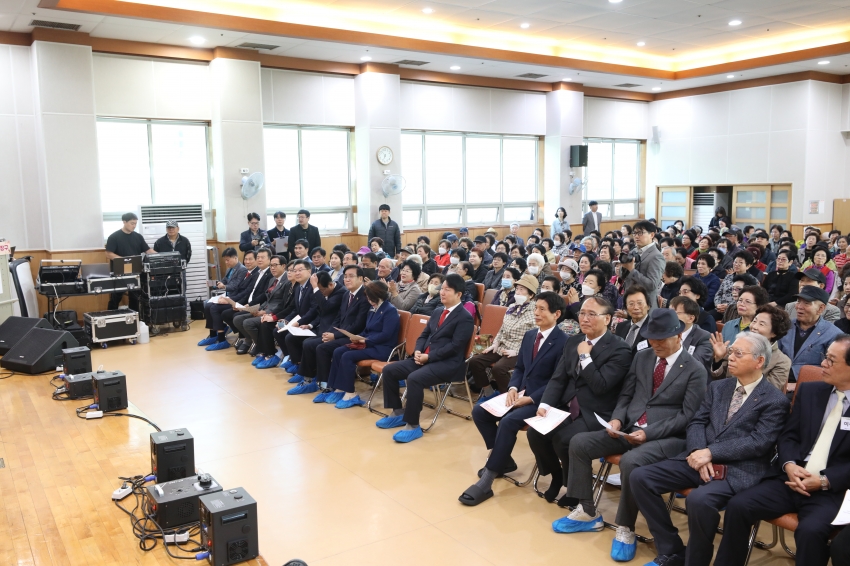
<point x="458" y="255"/>
<point x="568" y="268"/>
<point x="476" y="258"/>
<point x="560" y="249"/>
<point x="501" y="356"/>
<point x="429" y="266"/>
<point x="443" y="256"/>
<point x="538" y="267"/>
<point x="584" y="264"/>
<point x="493" y="278"/>
<point x="505" y="297"/>
<point x="427" y="302"/>
<point x="594" y="284"/>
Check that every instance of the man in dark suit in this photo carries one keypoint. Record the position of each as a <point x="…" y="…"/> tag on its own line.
<point x="316" y="351"/>
<point x="592" y="220"/>
<point x="439" y="358"/>
<point x="814" y="456"/>
<point x="538" y="355"/>
<point x="588" y="380"/>
<point x="695" y="340"/>
<point x="278" y="292"/>
<point x="233" y="281"/>
<point x="730" y="442"/>
<point x="253" y="295"/>
<point x="327" y="299"/>
<point x="840" y="548"/>
<point x="304" y="231"/>
<point x="662" y="392"/>
<point x="647" y="272"/>
<point x="636" y="301"/>
<point x="298" y="301"/>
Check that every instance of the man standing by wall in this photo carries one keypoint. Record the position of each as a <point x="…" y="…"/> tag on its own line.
<point x="126" y="242"/>
<point x="304" y="231"/>
<point x="387" y="230"/>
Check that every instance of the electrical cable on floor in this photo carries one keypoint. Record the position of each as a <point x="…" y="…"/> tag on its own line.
<point x="7" y="375"/>
<point x="81" y="414"/>
<point x="148" y="531"/>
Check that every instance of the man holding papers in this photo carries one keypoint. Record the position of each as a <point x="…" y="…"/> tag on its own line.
<point x="662" y="391"/>
<point x="539" y="352"/>
<point x="814" y="457"/>
<point x="298" y="303"/>
<point x="587" y="380"/>
<point x="235" y="280"/>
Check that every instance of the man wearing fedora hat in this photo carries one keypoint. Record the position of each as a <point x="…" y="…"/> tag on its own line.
<point x="586" y="382"/>
<point x="811" y="334"/>
<point x="662" y="392"/>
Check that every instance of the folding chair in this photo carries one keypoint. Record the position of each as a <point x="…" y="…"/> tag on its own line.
<point x="480" y="295"/>
<point x="531" y="476"/>
<point x="440" y="394"/>
<point x="492" y="317"/>
<point x="415" y="324"/>
<point x="398" y="351"/>
<point x="599" y="485"/>
<point x="488" y="296"/>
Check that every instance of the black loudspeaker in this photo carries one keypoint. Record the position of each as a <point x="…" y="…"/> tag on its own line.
<point x="14" y="328"/>
<point x="172" y="454"/>
<point x="229" y="526"/>
<point x="76" y="360"/>
<point x="578" y="156"/>
<point x="40" y="350"/>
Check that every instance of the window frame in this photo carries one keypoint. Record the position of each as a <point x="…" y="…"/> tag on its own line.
<point x="347" y="210"/>
<point x="613" y="201"/>
<point x="149" y="122"/>
<point x="464" y="206"/>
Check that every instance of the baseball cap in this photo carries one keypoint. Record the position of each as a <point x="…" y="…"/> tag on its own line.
<point x="172" y="224"/>
<point x="812" y="293"/>
<point x="480" y="240"/>
<point x="813" y="274"/>
<point x="452" y="238"/>
<point x="464" y="230"/>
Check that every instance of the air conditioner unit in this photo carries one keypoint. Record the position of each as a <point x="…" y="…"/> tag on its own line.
<point x="193" y="226"/>
<point x="704" y="205"/>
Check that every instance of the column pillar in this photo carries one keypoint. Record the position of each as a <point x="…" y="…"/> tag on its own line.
<point x="237" y="139"/>
<point x="66" y="145"/>
<point x="564" y="127"/>
<point x="377" y="93"/>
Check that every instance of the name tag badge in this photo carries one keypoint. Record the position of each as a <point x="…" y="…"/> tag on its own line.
<point x="642" y="345"/>
<point x="845" y="423"/>
<point x="691" y="349"/>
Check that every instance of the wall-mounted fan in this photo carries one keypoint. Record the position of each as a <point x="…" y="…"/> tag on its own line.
<point x="577" y="184"/>
<point x="392" y="185"/>
<point x="252" y="184"/>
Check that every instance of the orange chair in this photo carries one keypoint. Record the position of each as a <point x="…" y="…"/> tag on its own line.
<point x="404" y="321"/>
<point x="807" y="374"/>
<point x="599" y="485"/>
<point x="442" y="391"/>
<point x="720" y="327"/>
<point x="480" y="295"/>
<point x="415" y="324"/>
<point x="492" y="317"/>
<point x="489" y="294"/>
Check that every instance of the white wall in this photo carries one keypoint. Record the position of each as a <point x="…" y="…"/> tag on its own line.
<point x="135" y="87"/>
<point x="290" y="97"/>
<point x="624" y="119"/>
<point x="22" y="219"/>
<point x="788" y="133"/>
<point x="471" y="109"/>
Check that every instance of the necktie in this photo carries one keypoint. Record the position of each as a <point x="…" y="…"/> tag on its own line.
<point x="536" y="345"/>
<point x="630" y="337"/>
<point x="350" y="298"/>
<point x="737" y="401"/>
<point x="274" y="284"/>
<point x="575" y="410"/>
<point x="439" y="324"/>
<point x="820" y="453"/>
<point x="657" y="378"/>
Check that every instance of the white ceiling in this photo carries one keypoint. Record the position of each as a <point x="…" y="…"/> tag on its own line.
<point x="663" y="24"/>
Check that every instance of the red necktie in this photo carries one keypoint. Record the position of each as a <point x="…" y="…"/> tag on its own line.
<point x="536" y="345"/>
<point x="350" y="298"/>
<point x="657" y="378"/>
<point x="439" y="324"/>
<point x="274" y="284"/>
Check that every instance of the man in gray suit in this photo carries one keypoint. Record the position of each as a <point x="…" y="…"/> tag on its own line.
<point x="730" y="442"/>
<point x="811" y="334"/>
<point x="592" y="219"/>
<point x="646" y="272"/>
<point x="663" y="389"/>
<point x="276" y="294"/>
<point x="695" y="340"/>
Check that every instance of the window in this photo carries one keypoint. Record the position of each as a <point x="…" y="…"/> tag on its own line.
<point x="613" y="177"/>
<point x="151" y="162"/>
<point x="468" y="179"/>
<point x="309" y="168"/>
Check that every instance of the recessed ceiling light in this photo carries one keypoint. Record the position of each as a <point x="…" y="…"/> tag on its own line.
<point x="365" y="58"/>
<point x="454" y="68"/>
<point x="197" y="40"/>
<point x="615" y="1"/>
<point x="735" y="23"/>
<point x="427" y="10"/>
<point x="823" y="62"/>
<point x="567" y="79"/>
<point x="656" y="88"/>
<point x="525" y="25"/>
<point x="730" y="76"/>
<point x="641" y="43"/>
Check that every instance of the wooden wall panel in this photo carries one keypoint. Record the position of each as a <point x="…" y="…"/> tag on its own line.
<point x="799" y="229"/>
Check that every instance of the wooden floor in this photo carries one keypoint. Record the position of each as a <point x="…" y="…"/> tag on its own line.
<point x="332" y="489"/>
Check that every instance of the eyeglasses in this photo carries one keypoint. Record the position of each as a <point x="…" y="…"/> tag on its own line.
<point x="631" y="304"/>
<point x="745" y="302"/>
<point x="590" y="315"/>
<point x="638" y="233"/>
<point x="735" y="352"/>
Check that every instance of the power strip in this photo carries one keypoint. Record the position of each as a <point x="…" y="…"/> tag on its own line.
<point x="122" y="492"/>
<point x="176" y="539"/>
<point x="94" y="415"/>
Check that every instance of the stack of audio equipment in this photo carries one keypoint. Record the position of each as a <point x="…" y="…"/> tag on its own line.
<point x="164" y="282"/>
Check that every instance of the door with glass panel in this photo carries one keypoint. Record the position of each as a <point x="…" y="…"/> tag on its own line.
<point x="761" y="206"/>
<point x="674" y="203"/>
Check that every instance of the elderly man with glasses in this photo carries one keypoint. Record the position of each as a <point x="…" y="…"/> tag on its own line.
<point x="729" y="446"/>
<point x="811" y="334"/>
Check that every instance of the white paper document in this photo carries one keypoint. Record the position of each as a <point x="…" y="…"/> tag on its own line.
<point x="496" y="406"/>
<point x="288" y="326"/>
<point x="843" y="517"/>
<point x="604" y="423"/>
<point x="215" y="299"/>
<point x="545" y="425"/>
<point x="298" y="331"/>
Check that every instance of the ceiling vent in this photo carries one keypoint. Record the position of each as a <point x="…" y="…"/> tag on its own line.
<point x="411" y="62"/>
<point x="55" y="25"/>
<point x="626" y="85"/>
<point x="531" y="76"/>
<point x="264" y="46"/>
